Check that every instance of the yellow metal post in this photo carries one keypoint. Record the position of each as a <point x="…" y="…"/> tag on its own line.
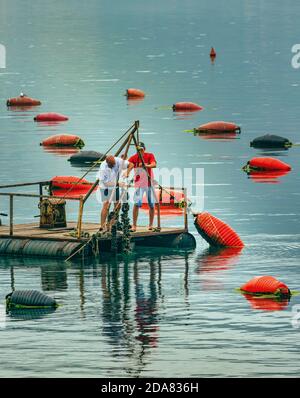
<point x="80" y="213"/>
<point x="11" y="215"/>
<point x="185" y="209"/>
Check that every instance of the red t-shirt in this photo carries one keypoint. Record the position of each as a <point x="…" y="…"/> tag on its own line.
<point x="141" y="177"/>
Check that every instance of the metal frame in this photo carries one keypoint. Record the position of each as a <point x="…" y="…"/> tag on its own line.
<point x="82" y="199"/>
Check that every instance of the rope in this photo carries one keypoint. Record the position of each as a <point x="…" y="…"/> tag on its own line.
<point x="96" y="163"/>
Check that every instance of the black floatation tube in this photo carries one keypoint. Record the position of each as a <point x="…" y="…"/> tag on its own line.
<point x="271" y="141"/>
<point x="86" y="157"/>
<point x="30" y="299"/>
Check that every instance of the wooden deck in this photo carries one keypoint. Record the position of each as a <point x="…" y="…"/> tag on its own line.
<point x="32" y="231"/>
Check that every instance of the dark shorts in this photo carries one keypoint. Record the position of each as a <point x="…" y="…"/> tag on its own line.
<point x="110" y="194"/>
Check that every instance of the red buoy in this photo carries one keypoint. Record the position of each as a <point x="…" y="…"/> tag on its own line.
<point x="70" y="193"/>
<point x="23" y="101"/>
<point x="62" y="140"/>
<point x="186" y="107"/>
<point x="171" y="202"/>
<point x="134" y="93"/>
<point x="67" y="182"/>
<point x="267" y="164"/>
<point x="212" y="53"/>
<point x="216" y="232"/>
<point x="218" y="127"/>
<point x="265" y="285"/>
<point x="50" y="117"/>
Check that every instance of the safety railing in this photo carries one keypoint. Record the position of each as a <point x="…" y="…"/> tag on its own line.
<point x="82" y="200"/>
<point x="41" y="196"/>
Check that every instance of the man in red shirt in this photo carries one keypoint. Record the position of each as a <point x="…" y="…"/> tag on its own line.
<point x="143" y="182"/>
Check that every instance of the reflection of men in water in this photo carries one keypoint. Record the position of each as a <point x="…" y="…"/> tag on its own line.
<point x="112" y="311"/>
<point x="146" y="309"/>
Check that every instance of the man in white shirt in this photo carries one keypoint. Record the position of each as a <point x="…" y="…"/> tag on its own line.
<point x="109" y="174"/>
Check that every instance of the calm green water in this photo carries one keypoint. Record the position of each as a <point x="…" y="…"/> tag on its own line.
<point x="156" y="313"/>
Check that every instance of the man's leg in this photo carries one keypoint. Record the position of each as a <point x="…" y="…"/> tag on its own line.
<point x="135" y="215"/>
<point x="138" y="196"/>
<point x="151" y="203"/>
<point x="151" y="216"/>
<point x="104" y="213"/>
<point x="115" y="197"/>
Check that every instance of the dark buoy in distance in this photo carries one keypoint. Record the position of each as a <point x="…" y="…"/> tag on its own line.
<point x="212" y="53"/>
<point x="29" y="299"/>
<point x="86" y="157"/>
<point x="271" y="141"/>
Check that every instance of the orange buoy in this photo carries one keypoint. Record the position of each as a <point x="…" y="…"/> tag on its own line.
<point x="50" y="117"/>
<point x="267" y="164"/>
<point x="212" y="53"/>
<point x="171" y="203"/>
<point x="23" y="101"/>
<point x="67" y="182"/>
<point x="186" y="107"/>
<point x="62" y="140"/>
<point x="134" y="93"/>
<point x="171" y="198"/>
<point x="70" y="193"/>
<point x="262" y="285"/>
<point x="218" y="127"/>
<point x="216" y="232"/>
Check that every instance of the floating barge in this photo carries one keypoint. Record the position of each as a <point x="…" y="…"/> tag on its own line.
<point x="54" y="236"/>
<point x="31" y="240"/>
<point x="62" y="239"/>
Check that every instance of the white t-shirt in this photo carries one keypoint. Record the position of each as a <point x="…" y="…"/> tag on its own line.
<point x="111" y="175"/>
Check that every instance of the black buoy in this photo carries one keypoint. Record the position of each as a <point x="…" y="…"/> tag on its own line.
<point x="86" y="157"/>
<point x="271" y="141"/>
<point x="29" y="299"/>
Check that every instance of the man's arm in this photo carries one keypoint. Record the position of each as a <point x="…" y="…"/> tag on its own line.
<point x="152" y="162"/>
<point x="151" y="165"/>
<point x="130" y="166"/>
